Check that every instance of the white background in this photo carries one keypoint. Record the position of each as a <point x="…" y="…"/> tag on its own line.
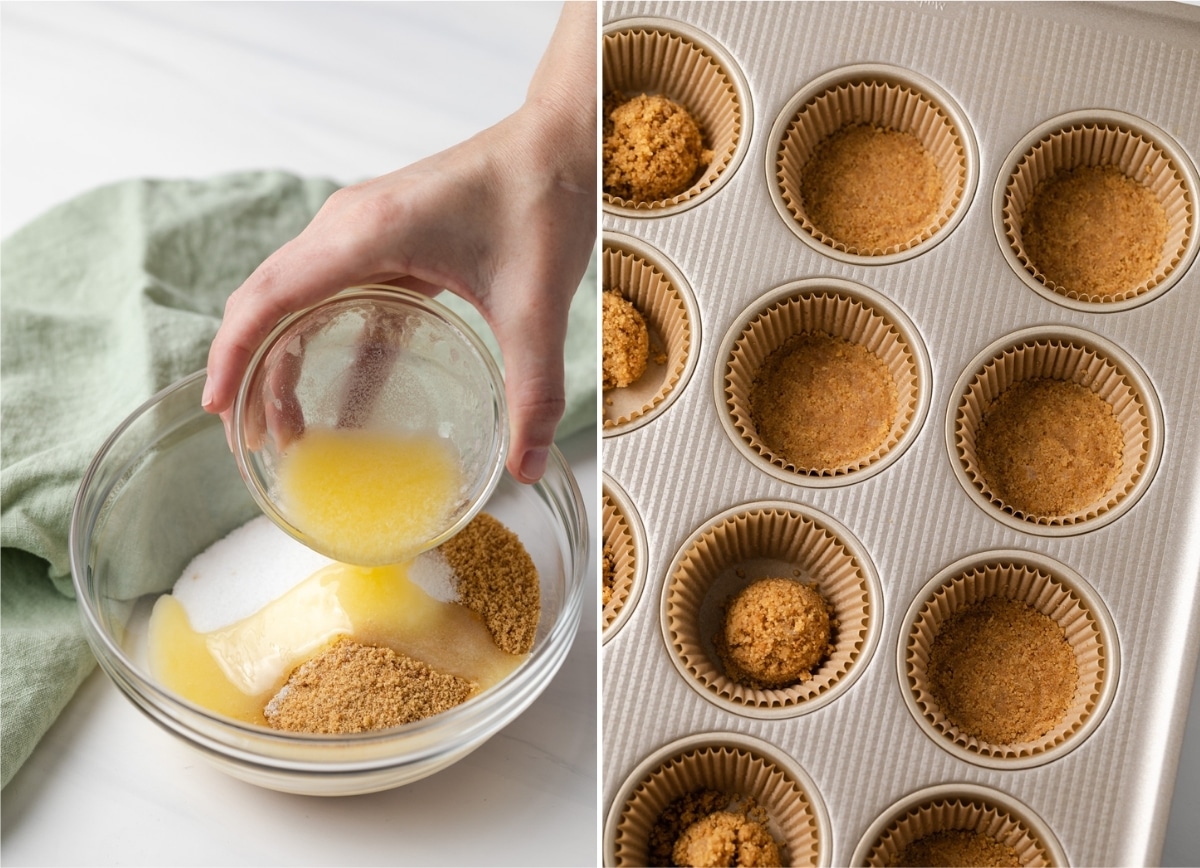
<point x="94" y="93"/>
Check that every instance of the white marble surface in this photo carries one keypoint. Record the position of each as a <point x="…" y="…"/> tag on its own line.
<point x="99" y="92"/>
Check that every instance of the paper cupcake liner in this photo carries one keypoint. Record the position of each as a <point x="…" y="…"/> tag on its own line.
<point x="960" y="807"/>
<point x="658" y="57"/>
<point x="1069" y="355"/>
<point x="840" y="309"/>
<point x="1141" y="153"/>
<point x="742" y="767"/>
<point x="761" y="540"/>
<point x="624" y="538"/>
<point x="660" y="295"/>
<point x="1048" y="587"/>
<point x="882" y="97"/>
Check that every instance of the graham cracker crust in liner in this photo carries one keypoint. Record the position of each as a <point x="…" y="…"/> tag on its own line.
<point x="822" y="306"/>
<point x="660" y="57"/>
<point x="624" y="537"/>
<point x="1070" y="355"/>
<point x="1048" y="587"/>
<point x="662" y="297"/>
<point x="1140" y="152"/>
<point x="761" y="540"/>
<point x="738" y="765"/>
<point x="959" y="807"/>
<point x="885" y="98"/>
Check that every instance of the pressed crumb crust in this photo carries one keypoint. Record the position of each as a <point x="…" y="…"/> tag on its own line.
<point x="1094" y="231"/>
<point x="609" y="573"/>
<point x="871" y="188"/>
<point x="956" y="847"/>
<point x="625" y="341"/>
<point x="350" y="687"/>
<point x="822" y="402"/>
<point x="1049" y="447"/>
<point x="775" y="632"/>
<point x="1002" y="671"/>
<point x="653" y="148"/>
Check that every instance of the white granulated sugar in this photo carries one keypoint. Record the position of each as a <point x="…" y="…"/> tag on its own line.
<point x="431" y="572"/>
<point x="239" y="574"/>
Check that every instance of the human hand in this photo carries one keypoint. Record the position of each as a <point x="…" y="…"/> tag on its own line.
<point x="506" y="220"/>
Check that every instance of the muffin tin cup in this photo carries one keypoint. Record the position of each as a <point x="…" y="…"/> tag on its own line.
<point x="1141" y="152"/>
<point x="760" y="540"/>
<point x="1072" y="355"/>
<point x="843" y="309"/>
<point x="1050" y="588"/>
<point x="959" y="807"/>
<point x="730" y="763"/>
<point x="882" y="96"/>
<point x="661" y="57"/>
<point x="624" y="536"/>
<point x="656" y="288"/>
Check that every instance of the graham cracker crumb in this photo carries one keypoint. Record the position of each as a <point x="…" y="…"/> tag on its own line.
<point x="351" y="687"/>
<point x="1049" y="447"/>
<point x="625" y="341"/>
<point x="956" y="847"/>
<point x="685" y="821"/>
<point x="776" y="631"/>
<point x="1002" y="671"/>
<point x="822" y="402"/>
<point x="1095" y="231"/>
<point x="498" y="580"/>
<point x="871" y="188"/>
<point x="724" y="839"/>
<point x="610" y="575"/>
<point x="653" y="148"/>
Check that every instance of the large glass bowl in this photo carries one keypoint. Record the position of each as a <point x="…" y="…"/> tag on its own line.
<point x="374" y="360"/>
<point x="164" y="487"/>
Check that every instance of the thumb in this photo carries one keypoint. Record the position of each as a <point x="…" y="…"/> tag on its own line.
<point x="532" y="348"/>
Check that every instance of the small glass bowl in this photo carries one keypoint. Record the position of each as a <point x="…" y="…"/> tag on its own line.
<point x="381" y="360"/>
<point x="162" y="489"/>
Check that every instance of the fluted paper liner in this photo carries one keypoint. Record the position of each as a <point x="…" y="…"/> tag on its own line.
<point x="762" y="542"/>
<point x="890" y="105"/>
<point x="738" y="771"/>
<point x="1073" y="360"/>
<point x="970" y="813"/>
<point x="1138" y="157"/>
<point x="618" y="539"/>
<point x="837" y="314"/>
<point x="660" y="303"/>
<point x="1013" y="579"/>
<point x="660" y="60"/>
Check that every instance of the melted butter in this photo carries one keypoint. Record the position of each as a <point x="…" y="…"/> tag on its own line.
<point x="235" y="670"/>
<point x="367" y="497"/>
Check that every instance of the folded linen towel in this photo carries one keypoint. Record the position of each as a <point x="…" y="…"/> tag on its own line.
<point x="107" y="299"/>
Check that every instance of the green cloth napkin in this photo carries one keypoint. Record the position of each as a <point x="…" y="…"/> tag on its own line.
<point x="105" y="300"/>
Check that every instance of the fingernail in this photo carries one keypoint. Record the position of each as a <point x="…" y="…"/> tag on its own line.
<point x="533" y="463"/>
<point x="206" y="398"/>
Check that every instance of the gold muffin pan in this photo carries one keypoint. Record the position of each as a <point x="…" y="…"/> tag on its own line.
<point x="905" y="536"/>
